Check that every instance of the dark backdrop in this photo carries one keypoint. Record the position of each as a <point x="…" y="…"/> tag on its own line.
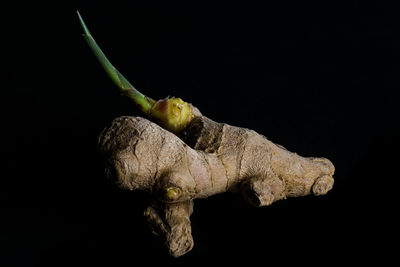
<point x="319" y="79"/>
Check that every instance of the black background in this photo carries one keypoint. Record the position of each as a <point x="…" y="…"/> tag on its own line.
<point x="320" y="79"/>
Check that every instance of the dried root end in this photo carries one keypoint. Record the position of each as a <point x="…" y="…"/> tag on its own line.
<point x="322" y="185"/>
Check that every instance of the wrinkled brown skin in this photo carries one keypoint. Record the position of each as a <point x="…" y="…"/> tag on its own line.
<point x="208" y="158"/>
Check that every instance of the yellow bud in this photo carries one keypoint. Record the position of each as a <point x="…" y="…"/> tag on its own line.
<point x="147" y="212"/>
<point x="173" y="114"/>
<point x="171" y="193"/>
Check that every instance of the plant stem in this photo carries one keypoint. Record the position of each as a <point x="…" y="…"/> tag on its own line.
<point x="143" y="102"/>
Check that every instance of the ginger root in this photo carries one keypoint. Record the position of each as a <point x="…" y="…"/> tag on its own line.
<point x="208" y="158"/>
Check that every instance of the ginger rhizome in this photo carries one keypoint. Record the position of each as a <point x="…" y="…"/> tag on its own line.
<point x="218" y="158"/>
<point x="181" y="155"/>
<point x="211" y="158"/>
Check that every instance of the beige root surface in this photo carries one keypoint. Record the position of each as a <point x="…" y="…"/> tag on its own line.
<point x="208" y="158"/>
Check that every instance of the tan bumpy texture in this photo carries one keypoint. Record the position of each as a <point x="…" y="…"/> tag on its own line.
<point x="206" y="159"/>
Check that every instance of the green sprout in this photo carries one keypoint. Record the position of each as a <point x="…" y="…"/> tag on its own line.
<point x="144" y="103"/>
<point x="173" y="114"/>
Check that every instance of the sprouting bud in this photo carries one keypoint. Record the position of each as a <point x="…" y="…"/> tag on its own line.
<point x="173" y="114"/>
<point x="171" y="193"/>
